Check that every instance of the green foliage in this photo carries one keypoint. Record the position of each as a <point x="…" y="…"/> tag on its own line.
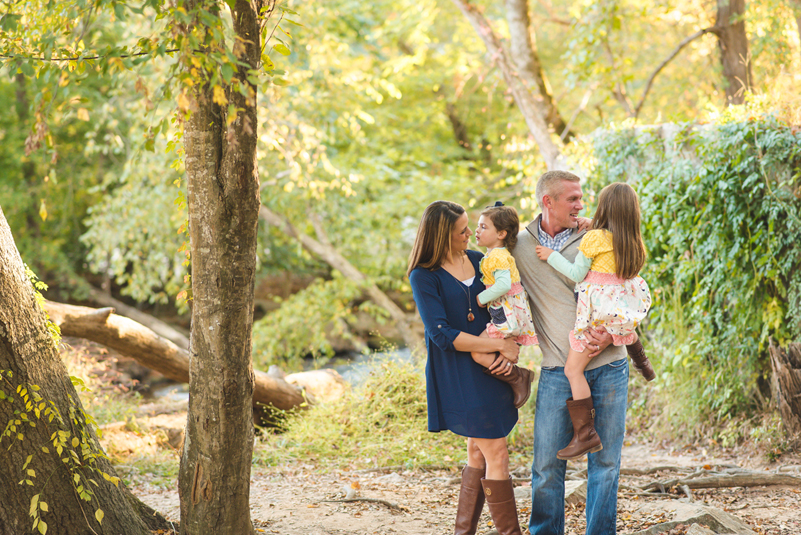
<point x="304" y="323"/>
<point x="38" y="288"/>
<point x="382" y="423"/>
<point x="721" y="219"/>
<point x="73" y="441"/>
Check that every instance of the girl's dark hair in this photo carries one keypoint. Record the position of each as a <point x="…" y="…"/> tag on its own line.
<point x="619" y="213"/>
<point x="433" y="240"/>
<point x="504" y="218"/>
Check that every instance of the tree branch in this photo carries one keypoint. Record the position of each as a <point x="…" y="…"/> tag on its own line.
<point x="331" y="256"/>
<point x="686" y="41"/>
<point x="523" y="97"/>
<point x="523" y="48"/>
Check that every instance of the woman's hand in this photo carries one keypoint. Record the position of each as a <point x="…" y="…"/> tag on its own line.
<point x="509" y="350"/>
<point x="501" y="366"/>
<point x="479" y="303"/>
<point x="584" y="223"/>
<point x="543" y="252"/>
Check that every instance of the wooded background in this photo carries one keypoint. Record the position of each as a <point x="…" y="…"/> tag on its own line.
<point x="282" y="154"/>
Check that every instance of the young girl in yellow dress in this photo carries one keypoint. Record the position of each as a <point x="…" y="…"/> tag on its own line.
<point x="505" y="297"/>
<point x="611" y="294"/>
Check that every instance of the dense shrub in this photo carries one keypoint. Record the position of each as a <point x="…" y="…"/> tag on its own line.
<point x="721" y="220"/>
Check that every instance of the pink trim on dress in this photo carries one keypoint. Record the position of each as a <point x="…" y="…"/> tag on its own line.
<point x="493" y="332"/>
<point x="527" y="340"/>
<point x="575" y="344"/>
<point x="619" y="340"/>
<point x="596" y="277"/>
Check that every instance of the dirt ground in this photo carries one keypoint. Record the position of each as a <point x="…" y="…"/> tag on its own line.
<point x="300" y="500"/>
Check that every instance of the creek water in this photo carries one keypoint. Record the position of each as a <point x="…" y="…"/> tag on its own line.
<point x="353" y="367"/>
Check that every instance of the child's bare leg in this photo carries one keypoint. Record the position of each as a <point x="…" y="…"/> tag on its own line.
<point x="485" y="359"/>
<point x="574" y="370"/>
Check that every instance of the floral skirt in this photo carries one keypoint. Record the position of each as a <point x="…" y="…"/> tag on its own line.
<point x="605" y="300"/>
<point x="511" y="317"/>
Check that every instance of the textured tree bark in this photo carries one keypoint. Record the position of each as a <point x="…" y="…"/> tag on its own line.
<point x="787" y="377"/>
<point x="327" y="253"/>
<point x="523" y="49"/>
<point x="150" y="350"/>
<point x="523" y="97"/>
<point x="223" y="201"/>
<point x="28" y="352"/>
<point x="733" y="43"/>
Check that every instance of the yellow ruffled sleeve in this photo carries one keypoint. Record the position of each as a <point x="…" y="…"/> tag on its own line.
<point x="496" y="259"/>
<point x="596" y="242"/>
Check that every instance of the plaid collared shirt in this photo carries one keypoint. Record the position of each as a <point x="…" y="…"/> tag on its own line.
<point x="557" y="242"/>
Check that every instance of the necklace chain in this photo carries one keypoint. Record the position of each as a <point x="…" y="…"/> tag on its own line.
<point x="470" y="316"/>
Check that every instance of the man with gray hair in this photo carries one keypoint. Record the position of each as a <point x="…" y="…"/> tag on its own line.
<point x="553" y="307"/>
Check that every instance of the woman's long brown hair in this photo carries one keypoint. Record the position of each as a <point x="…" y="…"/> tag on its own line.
<point x="619" y="212"/>
<point x="433" y="241"/>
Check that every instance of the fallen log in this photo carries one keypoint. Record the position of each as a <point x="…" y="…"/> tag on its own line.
<point x="154" y="324"/>
<point x="134" y="340"/>
<point x="753" y="479"/>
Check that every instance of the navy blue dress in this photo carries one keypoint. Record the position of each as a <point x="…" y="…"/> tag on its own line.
<point x="461" y="397"/>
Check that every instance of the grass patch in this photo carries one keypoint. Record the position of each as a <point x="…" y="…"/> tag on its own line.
<point x="381" y="423"/>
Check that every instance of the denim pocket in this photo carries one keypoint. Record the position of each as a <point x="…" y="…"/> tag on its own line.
<point x="619" y="363"/>
<point x="549" y="368"/>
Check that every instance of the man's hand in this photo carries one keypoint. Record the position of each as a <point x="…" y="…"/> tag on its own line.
<point x="543" y="252"/>
<point x="584" y="223"/>
<point x="597" y="340"/>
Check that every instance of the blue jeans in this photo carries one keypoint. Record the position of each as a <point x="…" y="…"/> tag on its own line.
<point x="553" y="431"/>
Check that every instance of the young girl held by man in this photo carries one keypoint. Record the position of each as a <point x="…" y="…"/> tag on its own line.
<point x="610" y="294"/>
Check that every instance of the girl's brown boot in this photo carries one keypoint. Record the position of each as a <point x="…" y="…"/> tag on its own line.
<point x="585" y="439"/>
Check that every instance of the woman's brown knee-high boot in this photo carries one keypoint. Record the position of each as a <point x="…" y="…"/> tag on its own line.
<point x="640" y="360"/>
<point x="585" y="439"/>
<point x="501" y="502"/>
<point x="471" y="501"/>
<point x="520" y="380"/>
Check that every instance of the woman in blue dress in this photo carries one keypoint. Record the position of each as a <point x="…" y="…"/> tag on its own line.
<point x="461" y="397"/>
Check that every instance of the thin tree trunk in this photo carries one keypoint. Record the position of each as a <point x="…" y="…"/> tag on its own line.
<point x="136" y="341"/>
<point x="523" y="49"/>
<point x="331" y="256"/>
<point x="29" y="354"/>
<point x="223" y="201"/>
<point x="523" y="98"/>
<point x="734" y="56"/>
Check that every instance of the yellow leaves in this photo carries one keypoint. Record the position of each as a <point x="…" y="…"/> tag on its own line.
<point x="116" y="63"/>
<point x="183" y="102"/>
<point x="83" y="114"/>
<point x="99" y="514"/>
<point x="219" y="96"/>
<point x="42" y="210"/>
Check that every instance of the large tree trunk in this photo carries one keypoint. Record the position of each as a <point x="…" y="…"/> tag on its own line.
<point x="223" y="201"/>
<point x="787" y="379"/>
<point x="734" y="56"/>
<point x="28" y="357"/>
<point x="523" y="98"/>
<point x="523" y="49"/>
<point x="136" y="341"/>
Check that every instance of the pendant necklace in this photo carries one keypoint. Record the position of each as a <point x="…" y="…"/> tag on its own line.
<point x="470" y="316"/>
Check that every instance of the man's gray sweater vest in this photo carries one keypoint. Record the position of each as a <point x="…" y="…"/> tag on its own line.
<point x="553" y="304"/>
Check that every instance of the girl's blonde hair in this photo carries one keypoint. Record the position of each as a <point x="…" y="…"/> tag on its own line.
<point x="504" y="218"/>
<point x="433" y="241"/>
<point x="619" y="212"/>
